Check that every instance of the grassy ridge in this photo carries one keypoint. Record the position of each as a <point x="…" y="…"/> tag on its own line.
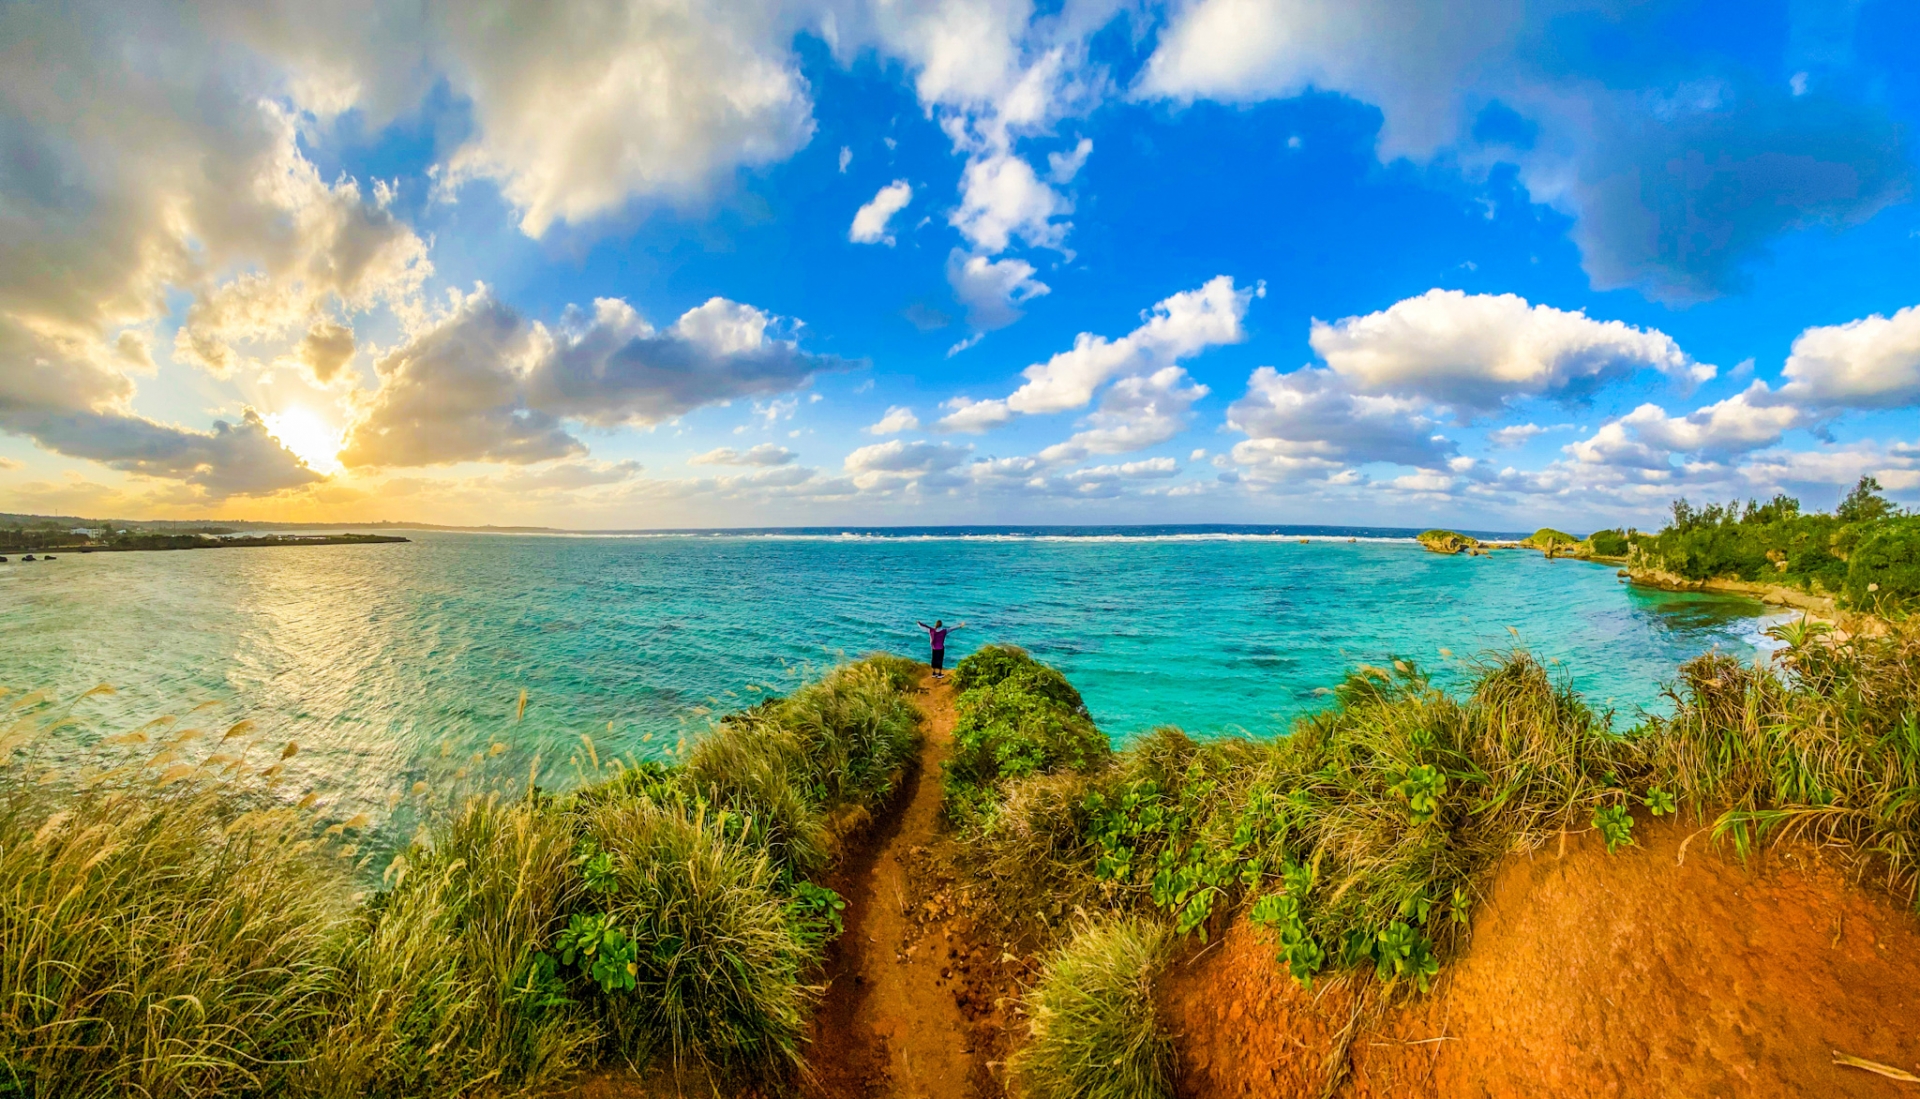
<point x="1365" y="839"/>
<point x="180" y="934"/>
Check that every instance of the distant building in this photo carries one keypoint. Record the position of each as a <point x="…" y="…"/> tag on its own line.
<point x="87" y="532"/>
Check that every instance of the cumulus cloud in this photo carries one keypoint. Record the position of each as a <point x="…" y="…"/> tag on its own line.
<point x="1677" y="172"/>
<point x="1001" y="200"/>
<point x="610" y="367"/>
<point x="485" y="384"/>
<point x="765" y="454"/>
<point x="577" y="111"/>
<point x="870" y="221"/>
<point x="457" y="392"/>
<point x="972" y="417"/>
<point x="1178" y="328"/>
<point x="1148" y="469"/>
<point x="898" y="418"/>
<point x="1869" y="363"/>
<point x="898" y="463"/>
<point x="1647" y="437"/>
<point x="1135" y="413"/>
<point x="1476" y="351"/>
<point x="1311" y="421"/>
<point x="992" y="290"/>
<point x="1506" y="438"/>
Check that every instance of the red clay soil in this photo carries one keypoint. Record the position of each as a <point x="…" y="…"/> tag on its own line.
<point x="1669" y="968"/>
<point x="919" y="999"/>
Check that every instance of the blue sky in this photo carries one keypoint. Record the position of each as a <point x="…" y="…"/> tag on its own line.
<point x="1490" y="264"/>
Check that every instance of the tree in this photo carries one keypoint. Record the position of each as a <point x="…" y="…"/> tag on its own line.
<point x="1864" y="504"/>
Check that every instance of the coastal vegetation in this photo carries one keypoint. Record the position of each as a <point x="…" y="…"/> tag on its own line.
<point x="1447" y="541"/>
<point x="1364" y="840"/>
<point x="1866" y="553"/>
<point x="178" y="925"/>
<point x="172" y="927"/>
<point x="38" y="539"/>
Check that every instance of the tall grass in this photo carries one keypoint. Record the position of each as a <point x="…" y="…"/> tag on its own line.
<point x="172" y="928"/>
<point x="1363" y="839"/>
<point x="1094" y="1034"/>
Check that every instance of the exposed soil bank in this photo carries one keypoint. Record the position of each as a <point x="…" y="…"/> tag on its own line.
<point x="1669" y="968"/>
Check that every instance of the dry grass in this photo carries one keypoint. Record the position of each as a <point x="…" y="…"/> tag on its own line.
<point x="171" y="927"/>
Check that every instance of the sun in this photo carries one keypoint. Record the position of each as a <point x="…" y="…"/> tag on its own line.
<point x="310" y="438"/>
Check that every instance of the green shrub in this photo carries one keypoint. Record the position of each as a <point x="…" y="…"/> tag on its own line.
<point x="1011" y="727"/>
<point x="1775" y="543"/>
<point x="717" y="959"/>
<point x="1883" y="572"/>
<point x="996" y="664"/>
<point x="1094" y="1031"/>
<point x="1547" y="537"/>
<point x="1608" y="543"/>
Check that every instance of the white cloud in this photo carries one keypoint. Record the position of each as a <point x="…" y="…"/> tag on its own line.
<point x="992" y="290"/>
<point x="1149" y="469"/>
<point x="765" y="454"/>
<point x="1647" y="437"/>
<point x="578" y="111"/>
<point x="846" y="158"/>
<point x="870" y="222"/>
<point x="1178" y="328"/>
<point x="1475" y="351"/>
<point x="897" y="463"/>
<point x="973" y="417"/>
<point x="1869" y="363"/>
<point x="1135" y="413"/>
<point x="898" y="418"/>
<point x="1001" y="199"/>
<point x="1311" y="421"/>
<point x="1062" y="167"/>
<point x="1506" y="438"/>
<point x="484" y="384"/>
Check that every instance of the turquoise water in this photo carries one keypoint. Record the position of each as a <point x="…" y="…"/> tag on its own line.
<point x="373" y="658"/>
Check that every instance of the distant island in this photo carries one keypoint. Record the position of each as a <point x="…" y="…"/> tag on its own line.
<point x="29" y="541"/>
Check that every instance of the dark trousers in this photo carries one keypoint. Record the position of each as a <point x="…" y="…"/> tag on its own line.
<point x="939" y="659"/>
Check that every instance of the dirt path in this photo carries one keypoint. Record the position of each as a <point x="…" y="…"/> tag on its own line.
<point x="889" y="1027"/>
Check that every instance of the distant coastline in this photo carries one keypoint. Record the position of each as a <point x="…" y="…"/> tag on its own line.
<point x="155" y="543"/>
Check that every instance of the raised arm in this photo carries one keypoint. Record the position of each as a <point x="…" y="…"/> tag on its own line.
<point x="922" y="625"/>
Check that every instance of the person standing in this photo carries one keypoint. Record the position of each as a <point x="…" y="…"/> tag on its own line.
<point x="937" y="634"/>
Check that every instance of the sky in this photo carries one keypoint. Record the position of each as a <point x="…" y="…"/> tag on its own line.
<point x="650" y="264"/>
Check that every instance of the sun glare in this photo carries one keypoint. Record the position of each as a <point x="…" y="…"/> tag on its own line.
<point x="310" y="438"/>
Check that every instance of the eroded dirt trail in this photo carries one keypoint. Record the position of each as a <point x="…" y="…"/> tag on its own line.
<point x="889" y="1027"/>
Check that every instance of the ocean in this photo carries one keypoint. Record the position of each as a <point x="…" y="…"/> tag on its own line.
<point x="378" y="659"/>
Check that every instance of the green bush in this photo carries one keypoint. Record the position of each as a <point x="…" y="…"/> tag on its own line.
<point x="1608" y="543"/>
<point x="1883" y="572"/>
<point x="1775" y="543"/>
<point x="714" y="973"/>
<point x="1015" y="717"/>
<point x="995" y="664"/>
<point x="1094" y="1031"/>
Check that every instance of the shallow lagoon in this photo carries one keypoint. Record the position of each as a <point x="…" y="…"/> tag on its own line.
<point x="375" y="657"/>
